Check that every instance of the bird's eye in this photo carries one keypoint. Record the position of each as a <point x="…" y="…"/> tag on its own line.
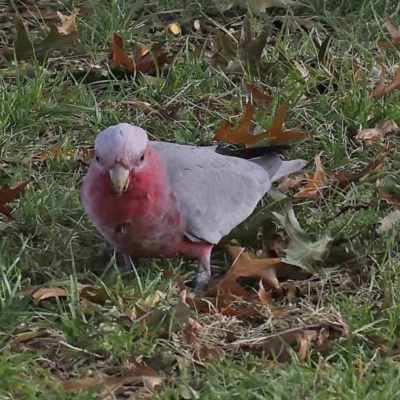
<point x="97" y="158"/>
<point x="142" y="157"/>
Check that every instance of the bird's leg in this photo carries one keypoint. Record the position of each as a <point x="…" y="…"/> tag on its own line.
<point x="203" y="276"/>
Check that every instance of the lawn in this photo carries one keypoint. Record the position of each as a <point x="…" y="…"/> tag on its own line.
<point x="76" y="324"/>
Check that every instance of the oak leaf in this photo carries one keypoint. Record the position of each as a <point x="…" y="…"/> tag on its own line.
<point x="381" y="89"/>
<point x="143" y="60"/>
<point x="57" y="37"/>
<point x="245" y="266"/>
<point x="394" y="33"/>
<point x="344" y="179"/>
<point x="7" y="195"/>
<point x="380" y="130"/>
<point x="274" y="135"/>
<point x="316" y="184"/>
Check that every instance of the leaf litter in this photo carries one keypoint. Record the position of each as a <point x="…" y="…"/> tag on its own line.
<point x="227" y="297"/>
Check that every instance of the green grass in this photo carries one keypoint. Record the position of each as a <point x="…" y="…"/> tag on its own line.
<point x="51" y="241"/>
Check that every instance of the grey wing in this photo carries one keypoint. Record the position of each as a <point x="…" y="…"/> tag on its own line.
<point x="215" y="192"/>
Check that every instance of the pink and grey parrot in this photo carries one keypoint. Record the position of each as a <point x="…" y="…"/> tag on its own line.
<point x="152" y="199"/>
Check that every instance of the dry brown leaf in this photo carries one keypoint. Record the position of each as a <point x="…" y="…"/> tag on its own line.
<point x="208" y="352"/>
<point x="68" y="24"/>
<point x="144" y="61"/>
<point x="389" y="222"/>
<point x="39" y="294"/>
<point x="98" y="294"/>
<point x="81" y="153"/>
<point x="394" y="33"/>
<point x="95" y="294"/>
<point x="225" y="304"/>
<point x="275" y="134"/>
<point x="191" y="332"/>
<point x="381" y="89"/>
<point x="85" y="153"/>
<point x="179" y="280"/>
<point x="391" y="198"/>
<point x="174" y="28"/>
<point x="7" y="195"/>
<point x="380" y="130"/>
<point x="277" y="347"/>
<point x="171" y="112"/>
<point x="316" y="184"/>
<point x="33" y="334"/>
<point x="245" y="266"/>
<point x="151" y="301"/>
<point x="344" y="179"/>
<point x="267" y="301"/>
<point x="106" y="385"/>
<point x="288" y="290"/>
<point x="54" y="151"/>
<point x="118" y="56"/>
<point x="290" y="183"/>
<point x="257" y="93"/>
<point x="149" y="376"/>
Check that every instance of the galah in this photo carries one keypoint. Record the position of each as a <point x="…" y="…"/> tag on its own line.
<point x="152" y="199"/>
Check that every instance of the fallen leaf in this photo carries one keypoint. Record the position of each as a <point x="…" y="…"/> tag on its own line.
<point x="95" y="294"/>
<point x="30" y="335"/>
<point x="257" y="93"/>
<point x="170" y="320"/>
<point x="174" y="28"/>
<point x="7" y="195"/>
<point x="25" y="48"/>
<point x="288" y="290"/>
<point x="99" y="294"/>
<point x="145" y="61"/>
<point x="394" y="33"/>
<point x="118" y="56"/>
<point x="302" y="250"/>
<point x="149" y="376"/>
<point x="106" y="385"/>
<point x="208" y="352"/>
<point x="316" y="184"/>
<point x="391" y="194"/>
<point x="380" y="130"/>
<point x="344" y="179"/>
<point x="267" y="301"/>
<point x="290" y="183"/>
<point x="251" y="49"/>
<point x="68" y="24"/>
<point x="389" y="222"/>
<point x="54" y="151"/>
<point x="191" y="332"/>
<point x="245" y="266"/>
<point x="236" y="58"/>
<point x="278" y="346"/>
<point x="41" y="293"/>
<point x="274" y="135"/>
<point x="85" y="153"/>
<point x="177" y="278"/>
<point x="171" y="112"/>
<point x="226" y="304"/>
<point x="381" y="89"/>
<point x="145" y="305"/>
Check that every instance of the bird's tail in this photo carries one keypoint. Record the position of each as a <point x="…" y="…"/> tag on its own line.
<point x="277" y="168"/>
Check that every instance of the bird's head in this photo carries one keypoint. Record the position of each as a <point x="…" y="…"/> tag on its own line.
<point x="121" y="150"/>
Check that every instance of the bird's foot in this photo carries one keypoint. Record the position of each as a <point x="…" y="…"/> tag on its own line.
<point x="202" y="279"/>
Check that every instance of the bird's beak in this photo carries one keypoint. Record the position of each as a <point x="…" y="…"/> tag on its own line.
<point x="119" y="178"/>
